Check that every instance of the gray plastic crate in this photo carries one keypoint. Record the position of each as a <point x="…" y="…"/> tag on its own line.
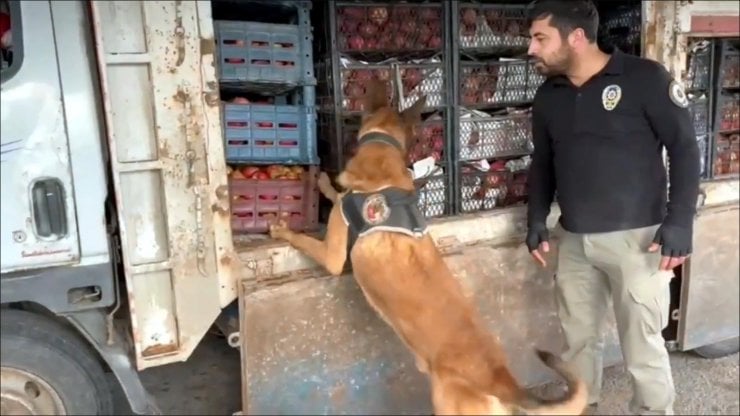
<point x="280" y="134"/>
<point x="264" y="55"/>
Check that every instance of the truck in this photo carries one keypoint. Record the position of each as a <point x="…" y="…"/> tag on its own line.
<point x="118" y="253"/>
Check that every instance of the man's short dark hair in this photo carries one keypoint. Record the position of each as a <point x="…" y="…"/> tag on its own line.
<point x="567" y="16"/>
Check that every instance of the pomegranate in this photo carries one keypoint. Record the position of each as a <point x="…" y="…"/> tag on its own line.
<point x="385" y="42"/>
<point x="356" y="43"/>
<point x="371" y="44"/>
<point x="471" y="84"/>
<point x="438" y="143"/>
<point x="355" y="12"/>
<point x="409" y="27"/>
<point x="363" y="75"/>
<point x="348" y="26"/>
<point x="429" y="13"/>
<point x="378" y="15"/>
<point x="425" y="32"/>
<point x="435" y="42"/>
<point x="413" y="77"/>
<point x="368" y="30"/>
<point x="354" y="91"/>
<point x="469" y="16"/>
<point x="383" y="74"/>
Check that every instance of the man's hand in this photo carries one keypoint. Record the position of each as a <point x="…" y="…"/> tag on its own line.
<point x="675" y="244"/>
<point x="537" y="243"/>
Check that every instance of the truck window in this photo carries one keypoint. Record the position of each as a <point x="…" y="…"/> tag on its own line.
<point x="11" y="46"/>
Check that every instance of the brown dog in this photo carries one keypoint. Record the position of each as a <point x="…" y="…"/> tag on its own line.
<point x="405" y="279"/>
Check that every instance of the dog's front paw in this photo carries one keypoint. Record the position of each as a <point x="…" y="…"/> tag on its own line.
<point x="279" y="230"/>
<point x="323" y="181"/>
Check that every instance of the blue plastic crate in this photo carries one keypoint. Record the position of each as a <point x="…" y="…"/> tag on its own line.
<point x="265" y="53"/>
<point x="261" y="134"/>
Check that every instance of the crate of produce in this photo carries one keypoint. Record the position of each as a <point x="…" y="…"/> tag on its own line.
<point x="388" y="28"/>
<point x="417" y="78"/>
<point x="486" y="186"/>
<point x="728" y="112"/>
<point x="622" y="27"/>
<point x="261" y="194"/>
<point x="263" y="133"/>
<point x="699" y="66"/>
<point x="730" y="73"/>
<point x="484" y="136"/>
<point x="498" y="28"/>
<point x="727" y="155"/>
<point x="267" y="57"/>
<point x="699" y="110"/>
<point x="432" y="192"/>
<point x="498" y="83"/>
<point x="429" y="141"/>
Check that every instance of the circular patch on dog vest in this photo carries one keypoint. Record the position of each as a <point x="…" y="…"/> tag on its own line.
<point x="375" y="209"/>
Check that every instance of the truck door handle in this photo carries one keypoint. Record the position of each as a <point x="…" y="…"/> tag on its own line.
<point x="49" y="210"/>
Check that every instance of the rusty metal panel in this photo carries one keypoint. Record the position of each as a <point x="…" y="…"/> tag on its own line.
<point x="710" y="305"/>
<point x="167" y="159"/>
<point x="314" y="346"/>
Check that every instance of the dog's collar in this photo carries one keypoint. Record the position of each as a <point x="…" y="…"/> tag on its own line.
<point x="375" y="137"/>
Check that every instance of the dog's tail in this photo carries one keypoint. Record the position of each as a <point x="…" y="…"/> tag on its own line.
<point x="574" y="402"/>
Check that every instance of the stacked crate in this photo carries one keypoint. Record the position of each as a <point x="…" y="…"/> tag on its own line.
<point x="698" y="89"/>
<point x="404" y="44"/>
<point x="495" y="87"/>
<point x="726" y="152"/>
<point x="621" y="26"/>
<point x="269" y="116"/>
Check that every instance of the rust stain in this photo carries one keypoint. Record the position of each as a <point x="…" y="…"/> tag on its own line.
<point x="212" y="99"/>
<point x="225" y="260"/>
<point x="159" y="349"/>
<point x="215" y="208"/>
<point x="207" y="46"/>
<point x="181" y="96"/>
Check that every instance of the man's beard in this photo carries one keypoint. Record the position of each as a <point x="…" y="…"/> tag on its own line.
<point x="559" y="65"/>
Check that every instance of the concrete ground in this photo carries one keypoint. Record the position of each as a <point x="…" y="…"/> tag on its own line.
<point x="209" y="384"/>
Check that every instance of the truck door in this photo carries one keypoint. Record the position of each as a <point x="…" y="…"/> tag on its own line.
<point x="167" y="160"/>
<point x="39" y="225"/>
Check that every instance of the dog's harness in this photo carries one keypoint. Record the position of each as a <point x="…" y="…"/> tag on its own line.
<point x="388" y="209"/>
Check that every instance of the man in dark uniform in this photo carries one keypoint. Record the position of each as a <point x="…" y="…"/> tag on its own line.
<point x="600" y="123"/>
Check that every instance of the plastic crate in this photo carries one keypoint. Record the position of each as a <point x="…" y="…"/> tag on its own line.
<point x="388" y="28"/>
<point x="255" y="203"/>
<point x="432" y="192"/>
<point x="498" y="83"/>
<point x="481" y="191"/>
<point x="730" y="70"/>
<point x="417" y="79"/>
<point x="486" y="137"/>
<point x="257" y="133"/>
<point x="699" y="110"/>
<point x="429" y="141"/>
<point x="699" y="67"/>
<point x="492" y="28"/>
<point x="727" y="155"/>
<point x="268" y="57"/>
<point x="728" y="113"/>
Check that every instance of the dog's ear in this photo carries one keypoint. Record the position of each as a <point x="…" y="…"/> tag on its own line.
<point x="412" y="115"/>
<point x="375" y="95"/>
